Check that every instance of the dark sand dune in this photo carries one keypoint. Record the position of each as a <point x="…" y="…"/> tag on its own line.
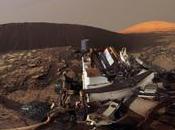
<point x="25" y="36"/>
<point x="22" y="36"/>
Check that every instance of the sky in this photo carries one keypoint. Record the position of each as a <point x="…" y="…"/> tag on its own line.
<point x="107" y="14"/>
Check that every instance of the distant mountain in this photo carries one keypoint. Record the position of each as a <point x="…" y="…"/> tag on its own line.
<point x="153" y="26"/>
<point x="155" y="41"/>
<point x="149" y="34"/>
<point x="22" y="36"/>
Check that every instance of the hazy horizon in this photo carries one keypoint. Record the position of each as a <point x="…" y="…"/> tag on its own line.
<point x="111" y="15"/>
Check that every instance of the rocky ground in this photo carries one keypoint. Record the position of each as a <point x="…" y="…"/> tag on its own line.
<point x="27" y="76"/>
<point x="31" y="75"/>
<point x="161" y="55"/>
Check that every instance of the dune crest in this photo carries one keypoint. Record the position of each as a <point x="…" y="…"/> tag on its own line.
<point x="152" y="26"/>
